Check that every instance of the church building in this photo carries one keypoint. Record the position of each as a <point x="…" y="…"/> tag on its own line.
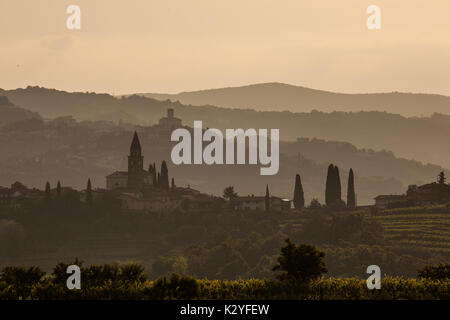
<point x="136" y="178"/>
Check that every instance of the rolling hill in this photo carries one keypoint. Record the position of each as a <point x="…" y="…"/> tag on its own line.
<point x="281" y="97"/>
<point x="71" y="151"/>
<point x="9" y="113"/>
<point x="418" y="138"/>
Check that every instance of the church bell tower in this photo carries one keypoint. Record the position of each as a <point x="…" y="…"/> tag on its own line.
<point x="135" y="164"/>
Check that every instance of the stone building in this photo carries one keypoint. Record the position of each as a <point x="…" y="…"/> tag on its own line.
<point x="431" y="193"/>
<point x="258" y="203"/>
<point x="170" y="122"/>
<point x="136" y="177"/>
<point x="384" y="201"/>
<point x="427" y="194"/>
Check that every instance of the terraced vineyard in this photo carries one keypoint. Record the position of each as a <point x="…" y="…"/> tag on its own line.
<point x="430" y="231"/>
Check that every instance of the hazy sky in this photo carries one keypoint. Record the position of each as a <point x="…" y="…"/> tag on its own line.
<point x="180" y="45"/>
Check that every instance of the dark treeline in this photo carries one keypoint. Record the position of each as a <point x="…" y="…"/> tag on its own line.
<point x="219" y="245"/>
<point x="299" y="269"/>
<point x="224" y="244"/>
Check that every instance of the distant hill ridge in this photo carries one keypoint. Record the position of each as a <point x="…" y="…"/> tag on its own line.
<point x="419" y="138"/>
<point x="9" y="113"/>
<point x="71" y="151"/>
<point x="279" y="97"/>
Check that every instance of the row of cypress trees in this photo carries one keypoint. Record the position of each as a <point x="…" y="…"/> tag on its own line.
<point x="89" y="198"/>
<point x="333" y="193"/>
<point x="161" y="180"/>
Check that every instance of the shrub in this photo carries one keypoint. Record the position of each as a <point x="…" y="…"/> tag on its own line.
<point x="435" y="272"/>
<point x="20" y="280"/>
<point x="173" y="287"/>
<point x="303" y="262"/>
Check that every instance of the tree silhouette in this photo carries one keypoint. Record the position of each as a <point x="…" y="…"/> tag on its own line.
<point x="164" y="178"/>
<point x="337" y="181"/>
<point x="58" y="190"/>
<point x="333" y="187"/>
<point x="315" y="204"/>
<point x="302" y="262"/>
<point x="441" y="178"/>
<point x="47" y="191"/>
<point x="173" y="184"/>
<point x="267" y="199"/>
<point x="155" y="179"/>
<point x="230" y="195"/>
<point x="299" y="200"/>
<point x="330" y="186"/>
<point x="89" y="199"/>
<point x="351" y="197"/>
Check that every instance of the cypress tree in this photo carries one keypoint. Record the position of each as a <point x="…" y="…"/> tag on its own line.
<point x="351" y="198"/>
<point x="58" y="190"/>
<point x="337" y="181"/>
<point x="158" y="182"/>
<point x="441" y="178"/>
<point x="155" y="179"/>
<point x="267" y="199"/>
<point x="330" y="186"/>
<point x="89" y="199"/>
<point x="173" y="184"/>
<point x="164" y="180"/>
<point x="299" y="200"/>
<point x="47" y="191"/>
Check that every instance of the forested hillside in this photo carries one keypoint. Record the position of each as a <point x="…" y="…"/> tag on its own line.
<point x="418" y="138"/>
<point x="72" y="151"/>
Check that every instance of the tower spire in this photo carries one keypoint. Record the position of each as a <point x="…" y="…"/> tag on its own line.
<point x="135" y="164"/>
<point x="135" y="144"/>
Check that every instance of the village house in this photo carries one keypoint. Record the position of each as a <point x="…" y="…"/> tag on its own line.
<point x="18" y="195"/>
<point x="431" y="193"/>
<point x="427" y="194"/>
<point x="160" y="201"/>
<point x="151" y="204"/>
<point x="170" y="122"/>
<point x="250" y="203"/>
<point x="384" y="201"/>
<point x="280" y="204"/>
<point x="5" y="197"/>
<point x="258" y="203"/>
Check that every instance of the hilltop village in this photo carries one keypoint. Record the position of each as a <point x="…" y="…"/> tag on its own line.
<point x="146" y="188"/>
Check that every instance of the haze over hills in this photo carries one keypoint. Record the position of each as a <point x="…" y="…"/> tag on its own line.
<point x="71" y="151"/>
<point x="281" y="97"/>
<point x="418" y="138"/>
<point x="10" y="113"/>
